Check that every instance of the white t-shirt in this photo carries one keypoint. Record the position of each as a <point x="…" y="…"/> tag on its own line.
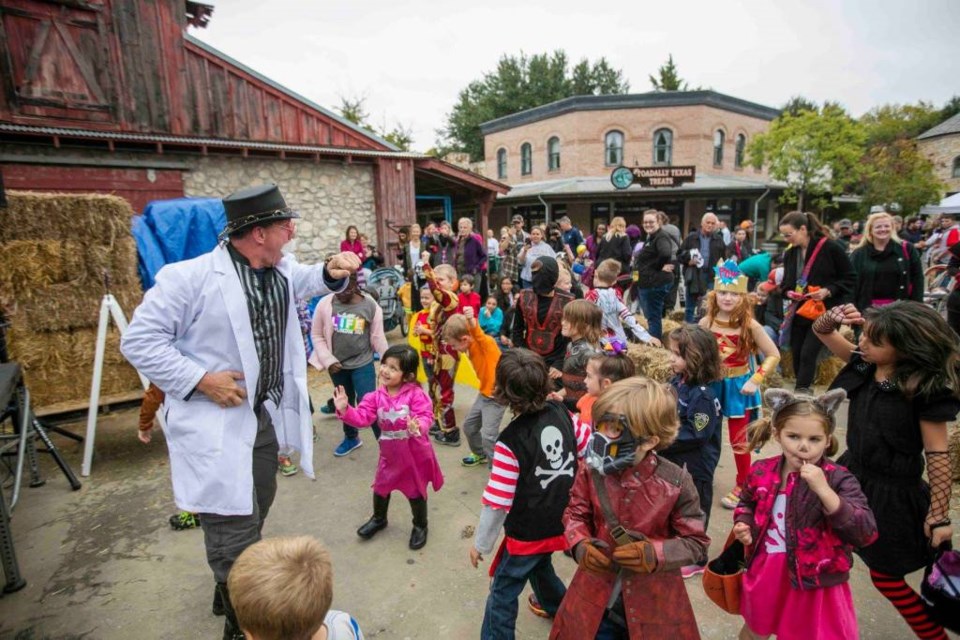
<point x="342" y="626"/>
<point x="493" y="247"/>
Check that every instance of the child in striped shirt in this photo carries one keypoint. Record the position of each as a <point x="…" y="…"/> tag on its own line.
<point x="534" y="463"/>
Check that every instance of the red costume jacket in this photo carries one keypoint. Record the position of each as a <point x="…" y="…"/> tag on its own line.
<point x="818" y="546"/>
<point x="656" y="498"/>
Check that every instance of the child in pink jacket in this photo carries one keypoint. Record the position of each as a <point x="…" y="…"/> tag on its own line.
<point x="407" y="461"/>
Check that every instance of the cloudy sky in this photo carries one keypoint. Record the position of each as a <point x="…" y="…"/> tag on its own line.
<point x="410" y="59"/>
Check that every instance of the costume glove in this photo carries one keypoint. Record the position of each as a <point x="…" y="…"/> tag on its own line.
<point x="592" y="559"/>
<point x="639" y="557"/>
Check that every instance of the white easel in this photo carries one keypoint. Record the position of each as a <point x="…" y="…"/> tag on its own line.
<point x="109" y="307"/>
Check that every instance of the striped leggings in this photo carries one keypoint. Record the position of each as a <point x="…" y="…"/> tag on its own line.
<point x="908" y="603"/>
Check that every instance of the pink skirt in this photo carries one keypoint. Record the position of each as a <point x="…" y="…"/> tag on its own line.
<point x="769" y="604"/>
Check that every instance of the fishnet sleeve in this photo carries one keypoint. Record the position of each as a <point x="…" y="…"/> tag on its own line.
<point x="938" y="473"/>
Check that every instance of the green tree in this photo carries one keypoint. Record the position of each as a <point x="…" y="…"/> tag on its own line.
<point x="891" y="122"/>
<point x="813" y="152"/>
<point x="898" y="172"/>
<point x="518" y="83"/>
<point x="354" y="109"/>
<point x="668" y="78"/>
<point x="796" y="104"/>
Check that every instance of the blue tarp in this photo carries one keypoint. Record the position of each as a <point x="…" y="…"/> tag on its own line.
<point x="175" y="230"/>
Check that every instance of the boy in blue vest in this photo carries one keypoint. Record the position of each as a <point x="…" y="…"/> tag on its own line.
<point x="534" y="463"/>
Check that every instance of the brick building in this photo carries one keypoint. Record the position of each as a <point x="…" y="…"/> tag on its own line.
<point x="558" y="158"/>
<point x="942" y="145"/>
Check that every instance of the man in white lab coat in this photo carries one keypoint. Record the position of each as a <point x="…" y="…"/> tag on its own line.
<point x="219" y="335"/>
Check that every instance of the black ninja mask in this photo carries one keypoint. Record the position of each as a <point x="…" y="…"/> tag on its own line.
<point x="545" y="273"/>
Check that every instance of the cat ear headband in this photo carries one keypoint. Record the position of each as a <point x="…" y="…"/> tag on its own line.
<point x="779" y="399"/>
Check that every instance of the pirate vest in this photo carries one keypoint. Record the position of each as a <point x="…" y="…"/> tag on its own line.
<point x="546" y="450"/>
<point x="542" y="336"/>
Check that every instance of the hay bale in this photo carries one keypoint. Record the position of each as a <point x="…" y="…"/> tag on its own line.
<point x="827" y="371"/>
<point x="26" y="265"/>
<point x="677" y="315"/>
<point x="90" y="219"/>
<point x="49" y="387"/>
<point x="65" y="306"/>
<point x="669" y="326"/>
<point x="652" y="362"/>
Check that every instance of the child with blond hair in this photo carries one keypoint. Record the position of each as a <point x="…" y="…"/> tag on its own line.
<point x="616" y="316"/>
<point x="482" y="424"/>
<point x="632" y="521"/>
<point x="282" y="588"/>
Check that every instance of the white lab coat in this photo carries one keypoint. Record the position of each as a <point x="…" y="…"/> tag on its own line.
<point x="194" y="320"/>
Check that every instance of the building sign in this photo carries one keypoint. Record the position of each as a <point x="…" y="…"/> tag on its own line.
<point x="652" y="177"/>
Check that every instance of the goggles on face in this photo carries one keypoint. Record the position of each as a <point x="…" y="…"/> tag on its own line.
<point x="607" y="455"/>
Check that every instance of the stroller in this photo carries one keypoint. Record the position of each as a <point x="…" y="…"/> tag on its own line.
<point x="384" y="285"/>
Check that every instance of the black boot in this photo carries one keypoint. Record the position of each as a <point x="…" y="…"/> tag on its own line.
<point x="418" y="537"/>
<point x="379" y="519"/>
<point x="218" y="609"/>
<point x="231" y="628"/>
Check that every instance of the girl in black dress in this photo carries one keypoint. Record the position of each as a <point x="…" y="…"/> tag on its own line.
<point x="902" y="380"/>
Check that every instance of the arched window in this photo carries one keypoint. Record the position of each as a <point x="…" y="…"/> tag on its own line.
<point x="613" y="144"/>
<point x="718" y="138"/>
<point x="526" y="159"/>
<point x="553" y="153"/>
<point x="956" y="167"/>
<point x="739" y="151"/>
<point x="501" y="164"/>
<point x="662" y="146"/>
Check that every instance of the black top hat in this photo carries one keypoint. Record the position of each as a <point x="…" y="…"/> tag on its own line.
<point x="255" y="205"/>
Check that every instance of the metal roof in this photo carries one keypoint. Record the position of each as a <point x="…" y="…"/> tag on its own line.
<point x="593" y="185"/>
<point x="948" y="126"/>
<point x="653" y="99"/>
<point x="92" y="134"/>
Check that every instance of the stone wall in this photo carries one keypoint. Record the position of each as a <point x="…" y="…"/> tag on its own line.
<point x="942" y="152"/>
<point x="329" y="196"/>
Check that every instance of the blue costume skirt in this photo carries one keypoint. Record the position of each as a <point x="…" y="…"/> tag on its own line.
<point x="733" y="403"/>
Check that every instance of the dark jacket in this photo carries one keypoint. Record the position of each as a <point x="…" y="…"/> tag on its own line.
<point x="819" y="546"/>
<point x="443" y="250"/>
<point x="831" y="270"/>
<point x="900" y="257"/>
<point x="618" y="248"/>
<point x="649" y="264"/>
<point x="740" y="251"/>
<point x="700" y="429"/>
<point x="698" y="281"/>
<point x="473" y="253"/>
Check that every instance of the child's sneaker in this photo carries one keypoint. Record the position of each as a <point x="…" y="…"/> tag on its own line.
<point x="184" y="520"/>
<point x="328" y="409"/>
<point x="691" y="570"/>
<point x="474" y="460"/>
<point x="450" y="438"/>
<point x="435" y="429"/>
<point x="536" y="608"/>
<point x="732" y="499"/>
<point x="286" y="466"/>
<point x="348" y="445"/>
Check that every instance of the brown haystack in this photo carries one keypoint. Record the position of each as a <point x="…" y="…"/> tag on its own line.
<point x="88" y="219"/>
<point x="953" y="446"/>
<point x="827" y="369"/>
<point x="54" y="250"/>
<point x="667" y="325"/>
<point x="677" y="315"/>
<point x="652" y="362"/>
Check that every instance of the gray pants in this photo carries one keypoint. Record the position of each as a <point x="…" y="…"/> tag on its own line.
<point x="482" y="425"/>
<point x="225" y="537"/>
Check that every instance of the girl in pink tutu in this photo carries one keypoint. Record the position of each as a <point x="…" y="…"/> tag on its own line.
<point x="407" y="462"/>
<point x="800" y="515"/>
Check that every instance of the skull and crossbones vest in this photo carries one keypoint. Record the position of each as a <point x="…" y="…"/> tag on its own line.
<point x="542" y="336"/>
<point x="546" y="450"/>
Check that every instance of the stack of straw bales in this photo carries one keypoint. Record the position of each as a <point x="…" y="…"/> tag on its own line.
<point x="54" y="250"/>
